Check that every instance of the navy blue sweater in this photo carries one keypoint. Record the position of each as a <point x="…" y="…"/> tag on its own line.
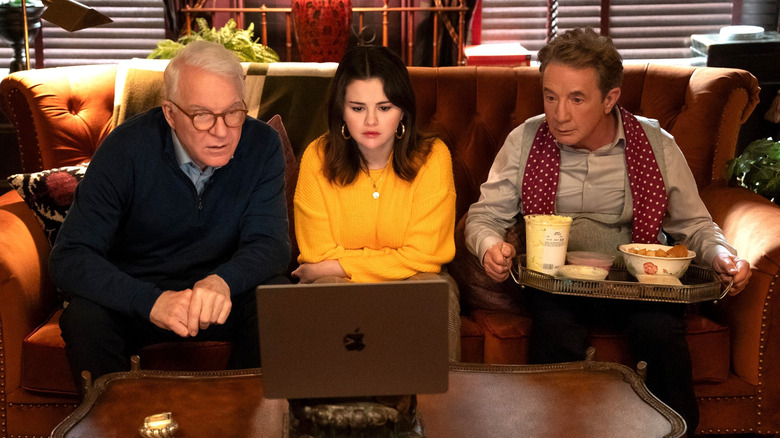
<point x="137" y="226"/>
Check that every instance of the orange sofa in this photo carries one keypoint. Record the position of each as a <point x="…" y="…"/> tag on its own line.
<point x="61" y="116"/>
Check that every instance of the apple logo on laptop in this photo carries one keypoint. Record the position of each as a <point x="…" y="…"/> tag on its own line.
<point x="354" y="341"/>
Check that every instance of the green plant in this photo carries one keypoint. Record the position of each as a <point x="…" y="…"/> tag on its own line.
<point x="758" y="168"/>
<point x="238" y="40"/>
<point x="18" y="3"/>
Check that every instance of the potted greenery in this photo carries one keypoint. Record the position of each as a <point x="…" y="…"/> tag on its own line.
<point x="758" y="169"/>
<point x="12" y="27"/>
<point x="238" y="40"/>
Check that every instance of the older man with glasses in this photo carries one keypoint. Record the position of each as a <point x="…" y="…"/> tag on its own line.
<point x="181" y="214"/>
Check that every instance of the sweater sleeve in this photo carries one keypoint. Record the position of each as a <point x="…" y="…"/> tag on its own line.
<point x="79" y="261"/>
<point x="312" y="223"/>
<point x="428" y="240"/>
<point x="499" y="202"/>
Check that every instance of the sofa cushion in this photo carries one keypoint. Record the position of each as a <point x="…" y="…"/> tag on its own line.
<point x="49" y="194"/>
<point x="507" y="337"/>
<point x="710" y="346"/>
<point x="45" y="367"/>
<point x="708" y="343"/>
<point x="472" y="341"/>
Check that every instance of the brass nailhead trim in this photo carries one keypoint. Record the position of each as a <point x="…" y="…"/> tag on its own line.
<point x="4" y="429"/>
<point x="761" y="350"/>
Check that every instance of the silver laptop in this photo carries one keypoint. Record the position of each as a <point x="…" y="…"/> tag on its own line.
<point x="353" y="339"/>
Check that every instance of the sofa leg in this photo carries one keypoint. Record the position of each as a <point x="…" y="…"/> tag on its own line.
<point x="86" y="382"/>
<point x="641" y="369"/>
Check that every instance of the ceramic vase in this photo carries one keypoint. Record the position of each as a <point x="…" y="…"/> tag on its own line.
<point x="12" y="31"/>
<point x="322" y="28"/>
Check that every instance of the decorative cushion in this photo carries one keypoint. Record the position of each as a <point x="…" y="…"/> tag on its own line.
<point x="477" y="290"/>
<point x="49" y="194"/>
<point x="290" y="179"/>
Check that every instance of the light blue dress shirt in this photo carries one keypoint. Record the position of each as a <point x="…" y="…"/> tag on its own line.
<point x="198" y="177"/>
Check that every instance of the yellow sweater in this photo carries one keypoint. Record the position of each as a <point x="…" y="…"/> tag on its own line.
<point x="409" y="229"/>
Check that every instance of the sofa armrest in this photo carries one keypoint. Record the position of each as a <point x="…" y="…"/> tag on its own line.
<point x="60" y="114"/>
<point x="27" y="295"/>
<point x="752" y="224"/>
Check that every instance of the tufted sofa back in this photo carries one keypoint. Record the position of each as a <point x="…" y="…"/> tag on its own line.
<point x="471" y="108"/>
<point x="61" y="114"/>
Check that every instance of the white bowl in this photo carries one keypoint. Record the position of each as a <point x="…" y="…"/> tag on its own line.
<point x="648" y="265"/>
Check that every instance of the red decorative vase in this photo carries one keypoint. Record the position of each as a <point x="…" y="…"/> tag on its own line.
<point x="322" y="28"/>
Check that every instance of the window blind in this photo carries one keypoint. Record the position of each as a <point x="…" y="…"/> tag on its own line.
<point x="647" y="29"/>
<point x="523" y="21"/>
<point x="137" y="26"/>
<point x="641" y="29"/>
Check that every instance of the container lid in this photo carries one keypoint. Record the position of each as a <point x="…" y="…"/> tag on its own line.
<point x="741" y="33"/>
<point x="595" y="256"/>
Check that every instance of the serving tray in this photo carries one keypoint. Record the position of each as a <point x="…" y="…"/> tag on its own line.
<point x="698" y="284"/>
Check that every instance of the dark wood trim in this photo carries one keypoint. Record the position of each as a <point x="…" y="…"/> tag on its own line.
<point x="736" y="12"/>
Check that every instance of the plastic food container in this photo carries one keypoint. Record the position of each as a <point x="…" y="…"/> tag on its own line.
<point x="582" y="272"/>
<point x="587" y="258"/>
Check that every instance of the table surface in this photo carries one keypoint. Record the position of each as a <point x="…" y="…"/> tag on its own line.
<point x="595" y="399"/>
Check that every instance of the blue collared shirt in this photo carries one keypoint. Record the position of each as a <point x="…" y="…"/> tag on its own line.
<point x="198" y="177"/>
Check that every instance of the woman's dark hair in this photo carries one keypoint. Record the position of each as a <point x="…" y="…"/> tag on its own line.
<point x="342" y="158"/>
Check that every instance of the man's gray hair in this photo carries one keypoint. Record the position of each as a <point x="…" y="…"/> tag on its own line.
<point x="208" y="56"/>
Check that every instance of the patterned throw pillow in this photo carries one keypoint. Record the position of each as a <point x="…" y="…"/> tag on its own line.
<point x="49" y="194"/>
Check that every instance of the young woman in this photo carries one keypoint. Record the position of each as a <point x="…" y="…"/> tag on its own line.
<point x="375" y="200"/>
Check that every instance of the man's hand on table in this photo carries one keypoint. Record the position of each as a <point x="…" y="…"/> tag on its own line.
<point x="210" y="303"/>
<point x="187" y="311"/>
<point x="498" y="260"/>
<point x="170" y="311"/>
<point x="730" y="267"/>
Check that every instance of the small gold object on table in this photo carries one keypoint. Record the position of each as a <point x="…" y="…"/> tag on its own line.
<point x="159" y="426"/>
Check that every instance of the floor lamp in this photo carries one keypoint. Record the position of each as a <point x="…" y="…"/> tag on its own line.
<point x="67" y="14"/>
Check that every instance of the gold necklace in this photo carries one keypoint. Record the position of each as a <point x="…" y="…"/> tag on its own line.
<point x="375" y="195"/>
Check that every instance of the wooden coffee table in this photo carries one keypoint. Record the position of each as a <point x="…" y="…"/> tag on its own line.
<point x="584" y="399"/>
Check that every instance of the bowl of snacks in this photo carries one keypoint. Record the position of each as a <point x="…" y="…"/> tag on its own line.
<point x="653" y="259"/>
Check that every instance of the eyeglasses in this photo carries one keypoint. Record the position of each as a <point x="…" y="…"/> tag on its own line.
<point x="204" y="121"/>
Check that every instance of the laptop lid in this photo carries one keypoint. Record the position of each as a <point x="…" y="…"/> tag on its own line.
<point x="353" y="339"/>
